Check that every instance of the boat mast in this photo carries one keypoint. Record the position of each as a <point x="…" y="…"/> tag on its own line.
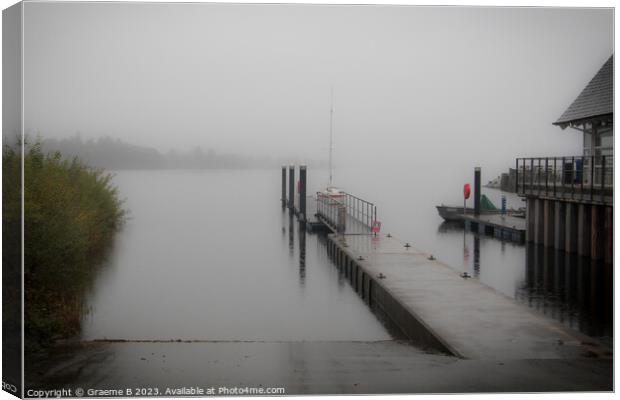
<point x="331" y="136"/>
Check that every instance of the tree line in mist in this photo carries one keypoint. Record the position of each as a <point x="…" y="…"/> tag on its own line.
<point x="111" y="153"/>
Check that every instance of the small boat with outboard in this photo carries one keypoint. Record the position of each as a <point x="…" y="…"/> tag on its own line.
<point x="453" y="213"/>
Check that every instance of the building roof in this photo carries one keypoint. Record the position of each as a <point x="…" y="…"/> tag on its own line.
<point x="595" y="100"/>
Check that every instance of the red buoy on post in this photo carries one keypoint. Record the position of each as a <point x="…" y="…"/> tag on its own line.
<point x="376" y="227"/>
<point x="466" y="191"/>
<point x="466" y="194"/>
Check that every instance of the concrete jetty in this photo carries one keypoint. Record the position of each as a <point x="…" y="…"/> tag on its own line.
<point x="436" y="307"/>
<point x="500" y="226"/>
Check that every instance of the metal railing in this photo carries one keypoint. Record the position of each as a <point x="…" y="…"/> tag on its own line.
<point x="582" y="178"/>
<point x="334" y="209"/>
<point x="360" y="209"/>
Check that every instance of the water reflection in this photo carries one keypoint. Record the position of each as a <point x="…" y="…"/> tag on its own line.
<point x="452" y="227"/>
<point x="476" y="256"/>
<point x="572" y="289"/>
<point x="566" y="287"/>
<point x="302" y="254"/>
<point x="291" y="234"/>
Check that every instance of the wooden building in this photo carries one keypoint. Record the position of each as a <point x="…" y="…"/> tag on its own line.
<point x="570" y="199"/>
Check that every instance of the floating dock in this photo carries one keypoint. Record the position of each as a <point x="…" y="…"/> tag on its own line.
<point x="503" y="227"/>
<point x="436" y="307"/>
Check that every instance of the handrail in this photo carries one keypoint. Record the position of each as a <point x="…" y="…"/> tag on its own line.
<point x="579" y="178"/>
<point x="335" y="210"/>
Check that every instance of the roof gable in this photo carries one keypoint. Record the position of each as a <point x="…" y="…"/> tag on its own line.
<point x="596" y="99"/>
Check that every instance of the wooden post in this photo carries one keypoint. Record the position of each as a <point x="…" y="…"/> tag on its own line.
<point x="608" y="235"/>
<point x="592" y="161"/>
<point x="291" y="187"/>
<point x="596" y="225"/>
<point x="539" y="221"/>
<point x="531" y="175"/>
<point x="548" y="222"/>
<point x="584" y="225"/>
<point x="555" y="175"/>
<point x="603" y="179"/>
<point x="570" y="226"/>
<point x="546" y="176"/>
<point x="559" y="220"/>
<point x="530" y="211"/>
<point x="283" y="186"/>
<point x="477" y="191"/>
<point x="538" y="177"/>
<point x="572" y="178"/>
<point x="302" y="193"/>
<point x="516" y="176"/>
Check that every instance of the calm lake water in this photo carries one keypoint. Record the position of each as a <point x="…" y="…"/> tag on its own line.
<point x="211" y="255"/>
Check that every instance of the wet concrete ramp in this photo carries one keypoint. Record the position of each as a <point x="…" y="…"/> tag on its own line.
<point x="310" y="368"/>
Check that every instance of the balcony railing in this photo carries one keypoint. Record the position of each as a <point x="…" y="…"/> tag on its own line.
<point x="580" y="178"/>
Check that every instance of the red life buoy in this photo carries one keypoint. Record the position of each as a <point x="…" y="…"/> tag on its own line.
<point x="376" y="226"/>
<point x="466" y="191"/>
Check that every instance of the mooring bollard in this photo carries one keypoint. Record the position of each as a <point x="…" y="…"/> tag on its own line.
<point x="302" y="193"/>
<point x="283" y="186"/>
<point x="477" y="191"/>
<point x="291" y="187"/>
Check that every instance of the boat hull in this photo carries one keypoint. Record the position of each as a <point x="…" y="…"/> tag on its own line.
<point x="453" y="213"/>
<point x="450" y="213"/>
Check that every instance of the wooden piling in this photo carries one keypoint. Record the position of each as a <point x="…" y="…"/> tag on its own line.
<point x="283" y="198"/>
<point x="302" y="193"/>
<point x="559" y="220"/>
<point x="291" y="187"/>
<point x="584" y="216"/>
<point x="596" y="227"/>
<point x="549" y="228"/>
<point x="570" y="226"/>
<point x="608" y="233"/>
<point x="477" y="191"/>
<point x="529" y="218"/>
<point x="539" y="221"/>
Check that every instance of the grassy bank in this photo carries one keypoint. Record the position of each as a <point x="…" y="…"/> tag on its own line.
<point x="71" y="214"/>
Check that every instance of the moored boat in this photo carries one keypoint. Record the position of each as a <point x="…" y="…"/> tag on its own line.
<point x="454" y="213"/>
<point x="451" y="213"/>
<point x="334" y="193"/>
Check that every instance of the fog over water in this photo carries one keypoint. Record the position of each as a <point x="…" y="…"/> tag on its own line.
<point x="442" y="85"/>
<point x="422" y="95"/>
<point x="210" y="255"/>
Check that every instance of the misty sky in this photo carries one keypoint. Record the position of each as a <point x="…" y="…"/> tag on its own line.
<point x="409" y="82"/>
